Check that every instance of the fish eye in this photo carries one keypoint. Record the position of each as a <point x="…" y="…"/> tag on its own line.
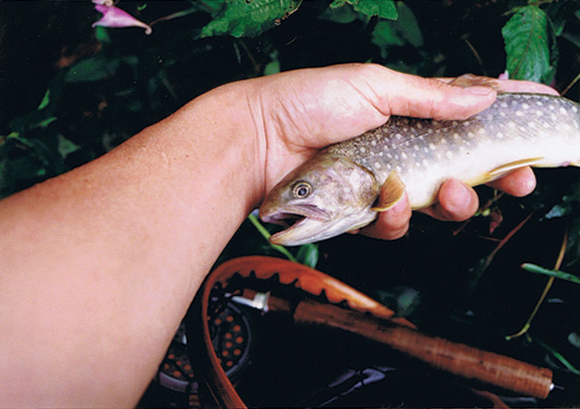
<point x="302" y="190"/>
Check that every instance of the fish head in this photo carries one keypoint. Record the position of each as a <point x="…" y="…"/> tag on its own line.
<point x="323" y="198"/>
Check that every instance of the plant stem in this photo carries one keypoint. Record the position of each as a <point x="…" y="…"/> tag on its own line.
<point x="547" y="288"/>
<point x="266" y="234"/>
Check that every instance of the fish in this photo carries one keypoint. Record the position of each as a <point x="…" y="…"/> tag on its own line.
<point x="346" y="185"/>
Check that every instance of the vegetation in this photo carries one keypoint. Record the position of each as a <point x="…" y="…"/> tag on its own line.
<point x="71" y="93"/>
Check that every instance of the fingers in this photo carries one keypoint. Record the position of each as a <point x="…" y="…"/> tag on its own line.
<point x="526" y="86"/>
<point x="520" y="182"/>
<point x="393" y="223"/>
<point x="509" y="85"/>
<point x="457" y="202"/>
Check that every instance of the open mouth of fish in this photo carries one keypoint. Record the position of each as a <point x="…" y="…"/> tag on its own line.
<point x="293" y="217"/>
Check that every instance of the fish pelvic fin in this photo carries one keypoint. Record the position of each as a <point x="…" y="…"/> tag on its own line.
<point x="391" y="193"/>
<point x="508" y="167"/>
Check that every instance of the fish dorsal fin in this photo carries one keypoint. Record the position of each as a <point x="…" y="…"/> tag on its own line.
<point x="391" y="193"/>
<point x="508" y="167"/>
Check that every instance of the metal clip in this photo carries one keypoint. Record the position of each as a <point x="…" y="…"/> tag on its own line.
<point x="260" y="301"/>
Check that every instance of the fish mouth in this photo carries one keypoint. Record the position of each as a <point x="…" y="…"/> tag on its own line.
<point x="292" y="218"/>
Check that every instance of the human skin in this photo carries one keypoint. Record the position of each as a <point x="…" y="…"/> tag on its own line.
<point x="99" y="265"/>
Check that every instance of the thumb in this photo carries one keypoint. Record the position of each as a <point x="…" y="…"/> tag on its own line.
<point x="395" y="93"/>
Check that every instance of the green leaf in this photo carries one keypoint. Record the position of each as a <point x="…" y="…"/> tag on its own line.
<point x="97" y="68"/>
<point x="45" y="100"/>
<point x="211" y="6"/>
<point x="559" y="357"/>
<point x="249" y="18"/>
<point x="66" y="146"/>
<point x="382" y="8"/>
<point x="273" y="67"/>
<point x="308" y="255"/>
<point x="398" y="33"/>
<point x="533" y="268"/>
<point x="44" y="114"/>
<point x="530" y="45"/>
<point x="92" y="69"/>
<point x="341" y="15"/>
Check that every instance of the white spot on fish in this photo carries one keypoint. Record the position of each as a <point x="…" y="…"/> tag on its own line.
<point x="511" y="124"/>
<point x="574" y="109"/>
<point x="432" y="146"/>
<point x="404" y="155"/>
<point x="519" y="113"/>
<point x="456" y="136"/>
<point x="449" y="154"/>
<point x="377" y="165"/>
<point x="398" y="168"/>
<point x="499" y="135"/>
<point x="425" y="163"/>
<point x="398" y="136"/>
<point x="416" y="147"/>
<point x="525" y="106"/>
<point x="563" y="111"/>
<point x="363" y="149"/>
<point x="539" y="113"/>
<point x="419" y="125"/>
<point x="504" y="104"/>
<point x="390" y="156"/>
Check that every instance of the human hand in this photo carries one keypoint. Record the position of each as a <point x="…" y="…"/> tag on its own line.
<point x="306" y="110"/>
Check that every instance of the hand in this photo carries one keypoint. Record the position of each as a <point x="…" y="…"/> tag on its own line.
<point x="306" y="110"/>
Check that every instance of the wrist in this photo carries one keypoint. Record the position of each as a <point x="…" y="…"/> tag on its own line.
<point x="227" y="122"/>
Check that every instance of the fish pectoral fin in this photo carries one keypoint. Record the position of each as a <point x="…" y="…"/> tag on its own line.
<point x="391" y="193"/>
<point x="508" y="167"/>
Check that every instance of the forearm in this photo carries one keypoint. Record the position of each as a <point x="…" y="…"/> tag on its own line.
<point x="99" y="265"/>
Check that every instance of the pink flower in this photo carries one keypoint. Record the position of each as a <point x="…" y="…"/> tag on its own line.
<point x="116" y="18"/>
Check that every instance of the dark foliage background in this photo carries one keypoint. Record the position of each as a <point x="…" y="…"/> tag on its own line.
<point x="69" y="93"/>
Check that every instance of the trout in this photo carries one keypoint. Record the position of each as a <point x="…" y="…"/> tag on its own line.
<point x="345" y="185"/>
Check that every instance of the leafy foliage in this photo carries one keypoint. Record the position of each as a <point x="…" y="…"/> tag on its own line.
<point x="370" y="8"/>
<point x="529" y="38"/>
<point x="249" y="18"/>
